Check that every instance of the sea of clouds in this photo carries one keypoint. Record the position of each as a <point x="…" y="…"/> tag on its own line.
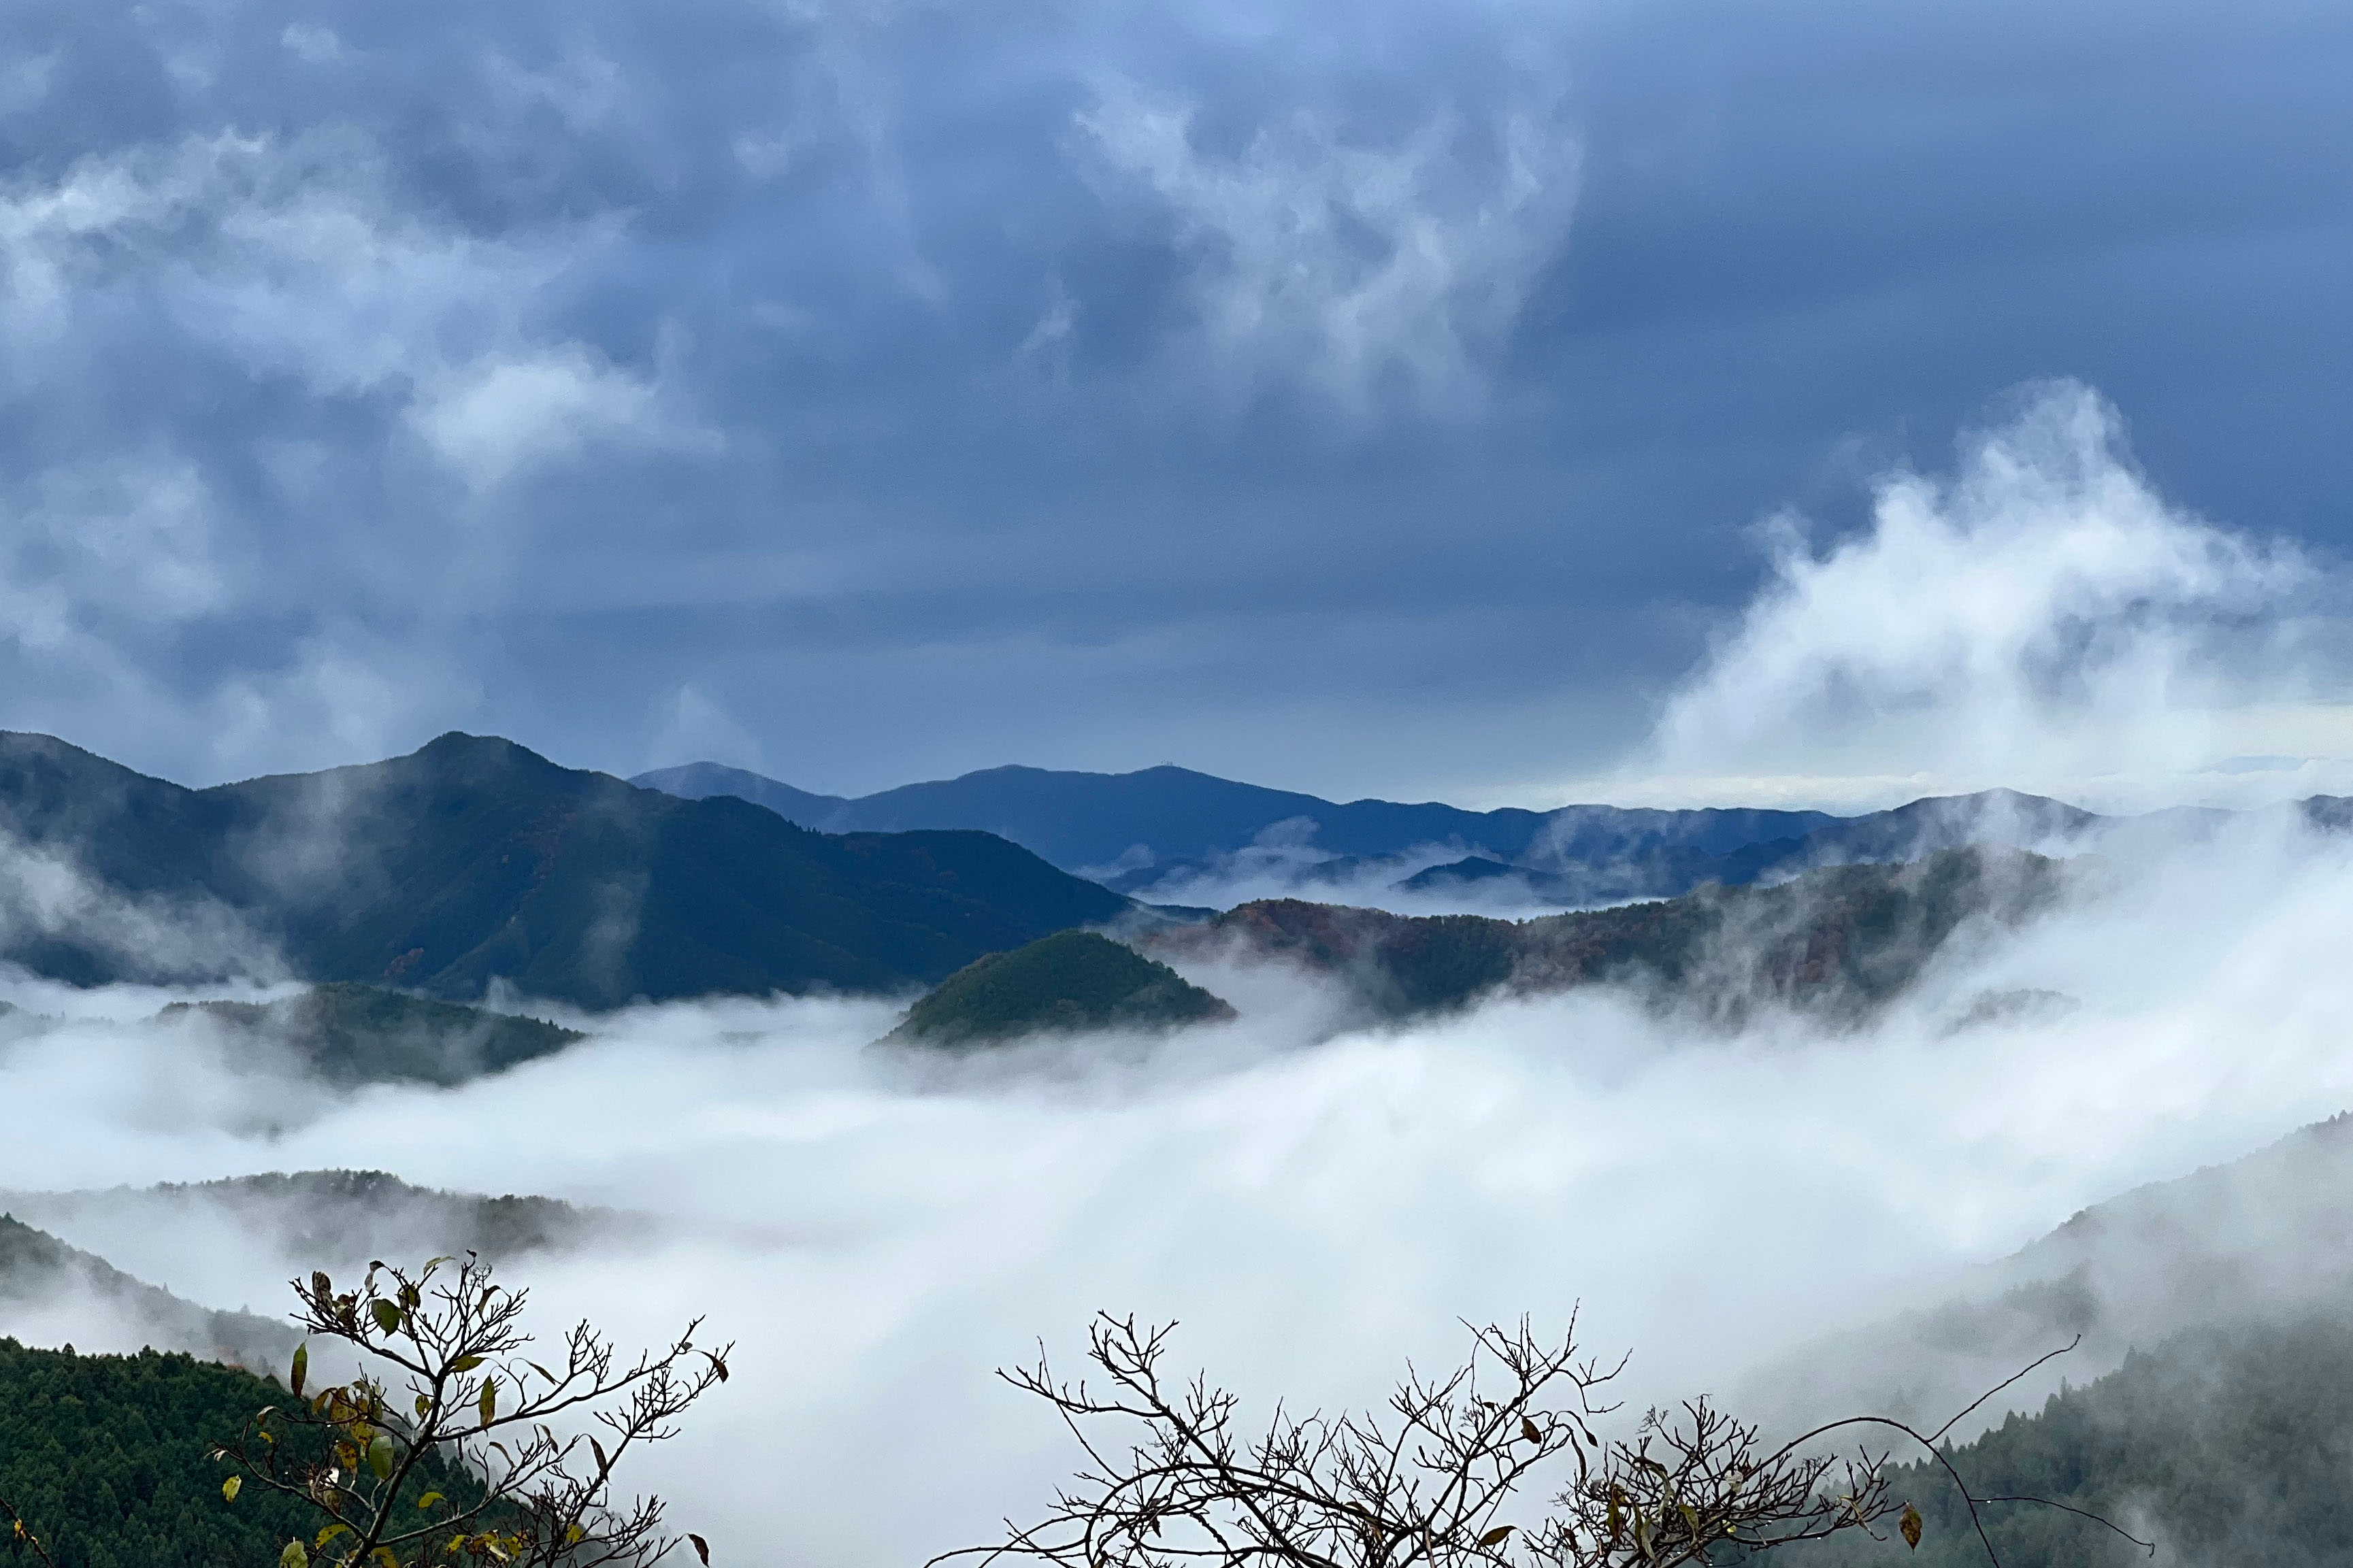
<point x="1318" y="1203"/>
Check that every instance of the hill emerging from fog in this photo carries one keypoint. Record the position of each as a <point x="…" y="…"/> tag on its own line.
<point x="364" y="1034"/>
<point x="1069" y="983"/>
<point x="474" y="861"/>
<point x="1161" y="831"/>
<point x="1836" y="941"/>
<point x="337" y="1220"/>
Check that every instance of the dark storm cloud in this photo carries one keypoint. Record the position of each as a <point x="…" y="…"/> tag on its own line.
<point x="875" y="392"/>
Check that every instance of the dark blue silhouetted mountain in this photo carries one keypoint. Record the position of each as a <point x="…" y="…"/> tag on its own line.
<point x="474" y="860"/>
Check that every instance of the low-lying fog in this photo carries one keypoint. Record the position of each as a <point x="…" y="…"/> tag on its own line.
<point x="1316" y="1212"/>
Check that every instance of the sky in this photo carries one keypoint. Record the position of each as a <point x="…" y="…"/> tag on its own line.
<point x="1404" y="399"/>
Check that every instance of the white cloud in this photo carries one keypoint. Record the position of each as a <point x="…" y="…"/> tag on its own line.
<point x="1348" y="262"/>
<point x="499" y="414"/>
<point x="298" y="258"/>
<point x="2042" y="619"/>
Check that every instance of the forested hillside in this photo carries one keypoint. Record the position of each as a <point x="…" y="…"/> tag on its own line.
<point x="106" y="1458"/>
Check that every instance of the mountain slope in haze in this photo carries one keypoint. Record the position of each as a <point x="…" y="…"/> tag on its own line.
<point x="2259" y="1239"/>
<point x="1084" y="820"/>
<point x="1838" y="942"/>
<point x="474" y="860"/>
<point x="51" y="1290"/>
<point x="364" y="1034"/>
<point x="2225" y="1448"/>
<point x="336" y="1220"/>
<point x="1069" y="983"/>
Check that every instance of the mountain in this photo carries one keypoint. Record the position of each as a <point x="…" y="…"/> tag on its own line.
<point x="50" y="1289"/>
<point x="1837" y="941"/>
<point x="364" y="1034"/>
<point x="1066" y="983"/>
<point x="474" y="860"/>
<point x="335" y="1220"/>
<point x="1174" y="815"/>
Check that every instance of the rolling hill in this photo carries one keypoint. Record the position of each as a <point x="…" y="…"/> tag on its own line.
<point x="474" y="861"/>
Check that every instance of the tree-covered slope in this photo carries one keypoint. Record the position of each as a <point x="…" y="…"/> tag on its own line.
<point x="474" y="860"/>
<point x="106" y="1458"/>
<point x="1063" y="983"/>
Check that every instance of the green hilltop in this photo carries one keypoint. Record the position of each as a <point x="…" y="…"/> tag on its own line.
<point x="1071" y="981"/>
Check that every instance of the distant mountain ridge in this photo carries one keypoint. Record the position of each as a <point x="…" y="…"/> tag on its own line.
<point x="474" y="861"/>
<point x="1089" y="820"/>
<point x="1159" y="832"/>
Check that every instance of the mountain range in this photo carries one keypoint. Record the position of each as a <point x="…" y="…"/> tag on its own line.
<point x="1172" y="835"/>
<point x="474" y="862"/>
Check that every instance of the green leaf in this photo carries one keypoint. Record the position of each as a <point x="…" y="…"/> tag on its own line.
<point x="293" y="1556"/>
<point x="380" y="1456"/>
<point x="302" y="1367"/>
<point x="430" y="1499"/>
<point x="332" y="1531"/>
<point x="231" y="1486"/>
<point x="1911" y="1527"/>
<point x="387" y="1316"/>
<point x="1496" y="1536"/>
<point x="466" y="1363"/>
<point x="490" y="1401"/>
<point x="603" y="1465"/>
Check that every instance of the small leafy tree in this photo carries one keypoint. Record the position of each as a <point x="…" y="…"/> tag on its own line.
<point x="450" y="1446"/>
<point x="1429" y="1484"/>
